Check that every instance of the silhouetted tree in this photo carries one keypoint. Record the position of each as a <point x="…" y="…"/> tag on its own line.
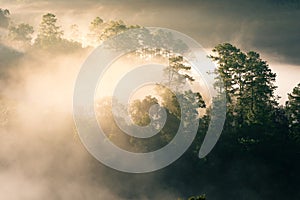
<point x="293" y="111"/>
<point x="248" y="83"/>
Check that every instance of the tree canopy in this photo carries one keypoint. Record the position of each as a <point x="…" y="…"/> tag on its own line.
<point x="293" y="111"/>
<point x="21" y="32"/>
<point x="260" y="144"/>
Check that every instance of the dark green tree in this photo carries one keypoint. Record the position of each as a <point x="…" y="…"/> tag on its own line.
<point x="230" y="73"/>
<point x="293" y="111"/>
<point x="258" y="96"/>
<point x="248" y="82"/>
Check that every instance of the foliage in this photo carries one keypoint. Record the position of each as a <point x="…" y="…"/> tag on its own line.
<point x="113" y="28"/>
<point x="21" y="32"/>
<point x="248" y="83"/>
<point x="49" y="33"/>
<point x="176" y="74"/>
<point x="139" y="110"/>
<point x="50" y="36"/>
<point x="293" y="112"/>
<point x="101" y="30"/>
<point x="260" y="145"/>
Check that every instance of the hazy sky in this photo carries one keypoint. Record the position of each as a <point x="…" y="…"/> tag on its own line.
<point x="270" y="27"/>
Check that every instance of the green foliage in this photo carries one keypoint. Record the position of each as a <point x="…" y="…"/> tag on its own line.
<point x="293" y="111"/>
<point x="176" y="74"/>
<point x="176" y="65"/>
<point x="248" y="83"/>
<point x="260" y="144"/>
<point x="258" y="89"/>
<point x="139" y="110"/>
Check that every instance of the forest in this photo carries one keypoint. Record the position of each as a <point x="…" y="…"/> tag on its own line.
<point x="256" y="157"/>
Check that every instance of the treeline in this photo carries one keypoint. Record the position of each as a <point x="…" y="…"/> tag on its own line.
<point x="258" y="154"/>
<point x="255" y="120"/>
<point x="259" y="149"/>
<point x="51" y="36"/>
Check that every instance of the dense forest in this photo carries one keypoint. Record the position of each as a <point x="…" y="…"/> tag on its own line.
<point x="257" y="156"/>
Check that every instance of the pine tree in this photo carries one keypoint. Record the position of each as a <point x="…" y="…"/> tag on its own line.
<point x="293" y="110"/>
<point x="259" y="89"/>
<point x="248" y="82"/>
<point x="49" y="33"/>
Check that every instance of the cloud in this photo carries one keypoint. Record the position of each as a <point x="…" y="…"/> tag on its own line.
<point x="41" y="154"/>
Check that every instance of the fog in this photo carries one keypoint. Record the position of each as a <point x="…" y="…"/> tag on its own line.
<point x="41" y="154"/>
<point x="268" y="27"/>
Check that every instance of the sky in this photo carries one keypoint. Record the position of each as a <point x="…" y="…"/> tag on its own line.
<point x="270" y="27"/>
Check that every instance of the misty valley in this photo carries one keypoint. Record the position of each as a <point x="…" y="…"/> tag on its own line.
<point x="42" y="155"/>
